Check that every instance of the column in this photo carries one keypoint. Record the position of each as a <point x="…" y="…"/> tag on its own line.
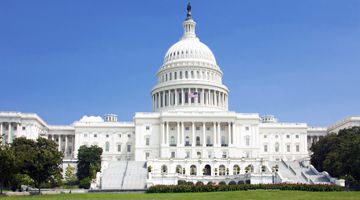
<point x="182" y="134"/>
<point x="215" y="98"/>
<point x="52" y="137"/>
<point x="18" y="129"/>
<point x="204" y="135"/>
<point x="182" y="96"/>
<point x="193" y="134"/>
<point x="169" y="97"/>
<point x="233" y="132"/>
<point x="59" y="143"/>
<point x="167" y="133"/>
<point x="208" y="98"/>
<point x="177" y="133"/>
<point x="9" y="133"/>
<point x="66" y="145"/>
<point x="163" y="98"/>
<point x="196" y="100"/>
<point x="162" y="133"/>
<point x="230" y="133"/>
<point x="203" y="97"/>
<point x="189" y="99"/>
<point x="214" y="134"/>
<point x="176" y="97"/>
<point x="218" y="134"/>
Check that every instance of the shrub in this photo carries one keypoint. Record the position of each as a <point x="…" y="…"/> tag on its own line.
<point x="210" y="183"/>
<point x="199" y="183"/>
<point x="181" y="182"/>
<point x="189" y="183"/>
<point x="222" y="183"/>
<point x="221" y="187"/>
<point x="85" y="183"/>
<point x="232" y="183"/>
<point x="241" y="183"/>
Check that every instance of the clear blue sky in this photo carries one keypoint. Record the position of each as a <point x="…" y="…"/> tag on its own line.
<point x="298" y="60"/>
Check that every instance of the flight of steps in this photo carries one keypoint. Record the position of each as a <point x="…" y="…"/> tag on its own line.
<point x="294" y="172"/>
<point x="124" y="175"/>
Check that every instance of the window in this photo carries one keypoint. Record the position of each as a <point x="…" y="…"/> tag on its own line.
<point x="222" y="170"/>
<point x="95" y="135"/>
<point x="287" y="136"/>
<point x="119" y="135"/>
<point x="147" y="141"/>
<point x="247" y="140"/>
<point x="276" y="147"/>
<point x="297" y="136"/>
<point x="276" y="136"/>
<point x="147" y="155"/>
<point x="147" y="128"/>
<point x="265" y="148"/>
<point x="198" y="154"/>
<point x="164" y="169"/>
<point x="172" y="141"/>
<point x="288" y="148"/>
<point x="224" y="155"/>
<point x="107" y="146"/>
<point x="297" y="148"/>
<point x="210" y="154"/>
<point x="198" y="128"/>
<point x="193" y="170"/>
<point x="187" y="141"/>
<point x="247" y="128"/>
<point x="172" y="154"/>
<point x="236" y="170"/>
<point x="107" y="136"/>
<point x="208" y="128"/>
<point x="265" y="136"/>
<point x="198" y="141"/>
<point x="129" y="135"/>
<point x="128" y="148"/>
<point x="119" y="147"/>
<point x="187" y="154"/>
<point x="187" y="128"/>
<point x="23" y="128"/>
<point x="85" y="135"/>
<point x="222" y="128"/>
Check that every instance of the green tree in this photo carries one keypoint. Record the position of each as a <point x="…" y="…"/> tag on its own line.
<point x="39" y="159"/>
<point x="70" y="176"/>
<point x="7" y="165"/>
<point x="339" y="155"/>
<point x="89" y="162"/>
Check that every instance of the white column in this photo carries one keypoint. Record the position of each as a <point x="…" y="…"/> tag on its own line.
<point x="52" y="137"/>
<point x="178" y="133"/>
<point x="189" y="99"/>
<point x="66" y="145"/>
<point x="230" y="133"/>
<point x="162" y="133"/>
<point x="218" y="134"/>
<point x="203" y="97"/>
<point x="182" y="96"/>
<point x="196" y="100"/>
<point x="59" y="142"/>
<point x="208" y="97"/>
<point x="193" y="134"/>
<point x="233" y="132"/>
<point x="182" y="136"/>
<point x="204" y="135"/>
<point x="9" y="133"/>
<point x="214" y="134"/>
<point x="167" y="134"/>
<point x="176" y="97"/>
<point x="169" y="97"/>
<point x="163" y="98"/>
<point x="18" y="130"/>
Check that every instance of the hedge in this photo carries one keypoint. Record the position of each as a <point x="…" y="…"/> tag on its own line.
<point x="217" y="188"/>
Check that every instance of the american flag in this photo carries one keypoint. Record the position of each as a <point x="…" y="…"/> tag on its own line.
<point x="193" y="94"/>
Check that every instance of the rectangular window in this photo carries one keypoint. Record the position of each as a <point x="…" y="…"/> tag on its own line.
<point x="247" y="128"/>
<point x="85" y="135"/>
<point x="297" y="136"/>
<point x="187" y="154"/>
<point x="180" y="75"/>
<point x="147" y="155"/>
<point x="147" y="141"/>
<point x="172" y="154"/>
<point x="147" y="128"/>
<point x="297" y="148"/>
<point x="23" y="128"/>
<point x="208" y="128"/>
<point x="288" y="148"/>
<point x="265" y="148"/>
<point x="187" y="128"/>
<point x="198" y="128"/>
<point x="128" y="148"/>
<point x="119" y="147"/>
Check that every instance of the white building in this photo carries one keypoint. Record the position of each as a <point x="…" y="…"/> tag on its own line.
<point x="190" y="135"/>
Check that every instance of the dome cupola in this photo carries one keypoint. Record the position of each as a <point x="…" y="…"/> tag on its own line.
<point x="189" y="78"/>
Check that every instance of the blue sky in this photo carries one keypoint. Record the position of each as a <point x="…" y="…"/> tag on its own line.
<point x="298" y="60"/>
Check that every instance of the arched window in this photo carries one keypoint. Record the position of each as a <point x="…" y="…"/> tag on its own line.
<point x="222" y="170"/>
<point x="107" y="146"/>
<point x="197" y="141"/>
<point x="193" y="170"/>
<point x="187" y="141"/>
<point x="164" y="169"/>
<point x="277" y="146"/>
<point x="178" y="169"/>
<point x="236" y="170"/>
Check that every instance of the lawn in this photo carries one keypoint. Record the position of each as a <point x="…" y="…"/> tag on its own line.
<point x="238" y="195"/>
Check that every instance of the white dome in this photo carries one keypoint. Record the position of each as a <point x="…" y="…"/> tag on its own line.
<point x="189" y="48"/>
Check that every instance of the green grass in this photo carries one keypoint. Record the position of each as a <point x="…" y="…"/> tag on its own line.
<point x="238" y="195"/>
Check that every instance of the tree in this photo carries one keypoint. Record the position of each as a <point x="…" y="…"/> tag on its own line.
<point x="39" y="159"/>
<point x="339" y="155"/>
<point x="89" y="162"/>
<point x="7" y="165"/>
<point x="70" y="176"/>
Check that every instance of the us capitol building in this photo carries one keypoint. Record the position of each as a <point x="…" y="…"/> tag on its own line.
<point x="190" y="135"/>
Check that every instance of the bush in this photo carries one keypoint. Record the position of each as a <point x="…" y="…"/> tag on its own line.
<point x="181" y="182"/>
<point x="241" y="183"/>
<point x="85" y="183"/>
<point x="199" y="183"/>
<point x="222" y="183"/>
<point x="221" y="187"/>
<point x="210" y="183"/>
<point x="232" y="183"/>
